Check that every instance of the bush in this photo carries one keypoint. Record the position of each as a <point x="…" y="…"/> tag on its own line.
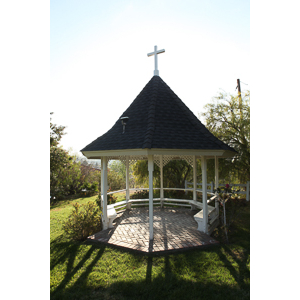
<point x="111" y="199"/>
<point x="84" y="220"/>
<point x="89" y="189"/>
<point x="140" y="195"/>
<point x="115" y="180"/>
<point x="234" y="208"/>
<point x="144" y="194"/>
<point x="177" y="194"/>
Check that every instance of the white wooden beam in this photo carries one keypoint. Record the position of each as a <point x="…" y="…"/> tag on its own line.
<point x="195" y="178"/>
<point x="127" y="179"/>
<point x="217" y="181"/>
<point x="150" y="169"/>
<point x="248" y="191"/>
<point x="161" y="178"/>
<point x="104" y="192"/>
<point x="204" y="193"/>
<point x="153" y="151"/>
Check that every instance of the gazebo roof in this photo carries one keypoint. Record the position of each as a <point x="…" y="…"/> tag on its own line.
<point x="158" y="120"/>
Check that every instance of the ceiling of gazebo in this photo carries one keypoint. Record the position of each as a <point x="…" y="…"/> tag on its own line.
<point x="159" y="124"/>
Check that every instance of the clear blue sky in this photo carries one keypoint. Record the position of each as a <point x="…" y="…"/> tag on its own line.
<point x="99" y="63"/>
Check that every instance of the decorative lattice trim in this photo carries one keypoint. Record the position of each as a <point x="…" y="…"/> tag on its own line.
<point x="156" y="160"/>
<point x="165" y="159"/>
<point x="189" y="159"/>
<point x="132" y="159"/>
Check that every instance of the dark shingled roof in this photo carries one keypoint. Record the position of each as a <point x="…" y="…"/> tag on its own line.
<point x="158" y="119"/>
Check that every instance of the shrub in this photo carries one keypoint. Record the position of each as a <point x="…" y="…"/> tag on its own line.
<point x="115" y="180"/>
<point x="234" y="208"/>
<point x="177" y="194"/>
<point x="84" y="220"/>
<point x="89" y="189"/>
<point x="111" y="198"/>
<point x="94" y="187"/>
<point x="140" y="195"/>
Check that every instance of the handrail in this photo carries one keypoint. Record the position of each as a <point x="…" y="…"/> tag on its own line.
<point x="211" y="185"/>
<point x="143" y="189"/>
<point x="146" y="189"/>
<point x="189" y="201"/>
<point x="114" y="192"/>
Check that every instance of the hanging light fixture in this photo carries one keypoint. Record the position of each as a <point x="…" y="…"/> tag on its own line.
<point x="124" y="121"/>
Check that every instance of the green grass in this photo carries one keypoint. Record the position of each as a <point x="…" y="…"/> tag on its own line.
<point x="91" y="271"/>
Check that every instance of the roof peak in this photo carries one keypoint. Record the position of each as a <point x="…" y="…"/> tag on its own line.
<point x="157" y="118"/>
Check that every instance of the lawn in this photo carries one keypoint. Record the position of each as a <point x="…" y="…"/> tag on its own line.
<point x="82" y="270"/>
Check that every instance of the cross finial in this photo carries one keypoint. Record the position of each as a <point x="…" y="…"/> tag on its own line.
<point x="155" y="58"/>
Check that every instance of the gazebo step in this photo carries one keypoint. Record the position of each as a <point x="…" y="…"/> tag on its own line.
<point x="212" y="226"/>
<point x="111" y="215"/>
<point x="213" y="219"/>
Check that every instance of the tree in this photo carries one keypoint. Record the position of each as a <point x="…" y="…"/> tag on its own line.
<point x="56" y="133"/>
<point x="59" y="160"/>
<point x="119" y="167"/>
<point x="229" y="121"/>
<point x="174" y="173"/>
<point x="68" y="175"/>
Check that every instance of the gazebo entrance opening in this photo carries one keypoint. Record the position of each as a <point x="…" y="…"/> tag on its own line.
<point x="207" y="217"/>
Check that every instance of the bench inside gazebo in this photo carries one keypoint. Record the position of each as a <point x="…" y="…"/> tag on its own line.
<point x="159" y="127"/>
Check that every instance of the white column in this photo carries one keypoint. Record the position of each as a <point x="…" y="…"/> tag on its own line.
<point x="150" y="169"/>
<point x="195" y="178"/>
<point x="104" y="191"/>
<point x="248" y="191"/>
<point x="161" y="180"/>
<point x="204" y="193"/>
<point x="127" y="179"/>
<point x="217" y="181"/>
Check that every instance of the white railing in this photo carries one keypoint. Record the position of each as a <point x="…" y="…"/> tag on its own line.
<point x="211" y="186"/>
<point x="246" y="192"/>
<point x="156" y="201"/>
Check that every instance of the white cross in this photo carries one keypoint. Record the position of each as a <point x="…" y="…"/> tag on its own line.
<point x="155" y="58"/>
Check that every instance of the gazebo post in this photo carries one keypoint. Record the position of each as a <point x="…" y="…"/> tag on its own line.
<point x="204" y="192"/>
<point x="127" y="181"/>
<point x="161" y="181"/>
<point x="195" y="178"/>
<point x="104" y="191"/>
<point x="217" y="181"/>
<point x="150" y="169"/>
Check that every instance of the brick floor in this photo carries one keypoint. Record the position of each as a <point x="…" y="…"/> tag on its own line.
<point x="173" y="229"/>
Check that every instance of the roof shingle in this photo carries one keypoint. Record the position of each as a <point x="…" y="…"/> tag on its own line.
<point x="158" y="119"/>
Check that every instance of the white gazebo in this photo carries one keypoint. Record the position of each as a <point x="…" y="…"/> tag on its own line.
<point x="159" y="127"/>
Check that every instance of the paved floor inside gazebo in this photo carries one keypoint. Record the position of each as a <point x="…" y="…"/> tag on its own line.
<point x="174" y="229"/>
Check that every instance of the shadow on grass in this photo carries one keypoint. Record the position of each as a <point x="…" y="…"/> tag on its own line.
<point x="241" y="273"/>
<point x="170" y="283"/>
<point x="218" y="272"/>
<point x="62" y="250"/>
<point x="70" y="256"/>
<point x="171" y="288"/>
<point x="149" y="269"/>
